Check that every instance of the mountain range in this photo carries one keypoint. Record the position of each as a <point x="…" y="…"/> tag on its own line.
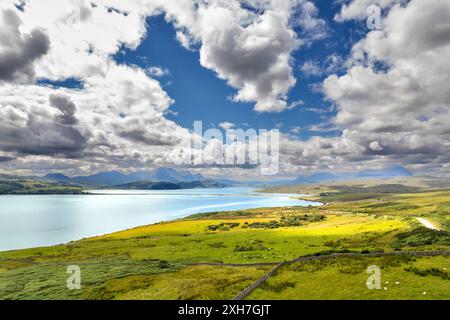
<point x="144" y="185"/>
<point x="113" y="178"/>
<point x="387" y="173"/>
<point x="180" y="179"/>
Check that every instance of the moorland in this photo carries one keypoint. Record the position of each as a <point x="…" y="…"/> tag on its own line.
<point x="217" y="255"/>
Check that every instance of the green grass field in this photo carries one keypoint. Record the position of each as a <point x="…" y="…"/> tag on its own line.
<point x="344" y="278"/>
<point x="163" y="261"/>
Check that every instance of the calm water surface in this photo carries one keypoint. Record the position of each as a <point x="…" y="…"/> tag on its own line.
<point x="40" y="220"/>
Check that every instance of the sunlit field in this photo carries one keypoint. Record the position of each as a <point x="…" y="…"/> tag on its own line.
<point x="193" y="258"/>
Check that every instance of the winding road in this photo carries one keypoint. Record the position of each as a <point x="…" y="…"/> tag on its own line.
<point x="427" y="224"/>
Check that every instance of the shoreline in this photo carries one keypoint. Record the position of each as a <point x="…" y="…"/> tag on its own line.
<point x="191" y="216"/>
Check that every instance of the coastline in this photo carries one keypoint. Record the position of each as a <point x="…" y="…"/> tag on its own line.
<point x="192" y="215"/>
<point x="201" y="254"/>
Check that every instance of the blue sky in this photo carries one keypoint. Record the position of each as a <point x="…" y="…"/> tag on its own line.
<point x="201" y="95"/>
<point x="79" y="92"/>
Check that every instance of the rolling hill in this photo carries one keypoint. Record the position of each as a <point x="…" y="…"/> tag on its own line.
<point x="116" y="178"/>
<point x="386" y="173"/>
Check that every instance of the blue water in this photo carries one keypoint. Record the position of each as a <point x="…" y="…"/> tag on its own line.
<point x="39" y="220"/>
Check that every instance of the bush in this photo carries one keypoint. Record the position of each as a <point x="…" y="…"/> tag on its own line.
<point x="277" y="287"/>
<point x="422" y="236"/>
<point x="217" y="245"/>
<point x="329" y="252"/>
<point x="253" y="246"/>
<point x="291" y="221"/>
<point x="225" y="226"/>
<point x="429" y="272"/>
<point x="265" y="225"/>
<point x="286" y="221"/>
<point x="314" y="217"/>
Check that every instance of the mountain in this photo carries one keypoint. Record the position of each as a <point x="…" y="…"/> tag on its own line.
<point x="102" y="179"/>
<point x="56" y="177"/>
<point x="169" y="175"/>
<point x="391" y="172"/>
<point x="146" y="185"/>
<point x="113" y="178"/>
<point x="165" y="174"/>
<point x="28" y="185"/>
<point x="316" y="178"/>
<point x="172" y="175"/>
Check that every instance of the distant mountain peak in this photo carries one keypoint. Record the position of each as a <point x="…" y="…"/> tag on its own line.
<point x="316" y="177"/>
<point x="400" y="169"/>
<point x="111" y="178"/>
<point x="173" y="175"/>
<point x="56" y="177"/>
<point x="389" y="172"/>
<point x="386" y="173"/>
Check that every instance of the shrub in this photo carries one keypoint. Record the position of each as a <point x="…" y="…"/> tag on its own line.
<point x="225" y="226"/>
<point x="217" y="245"/>
<point x="422" y="236"/>
<point x="429" y="272"/>
<point x="277" y="287"/>
<point x="265" y="225"/>
<point x="286" y="221"/>
<point x="253" y="246"/>
<point x="291" y="221"/>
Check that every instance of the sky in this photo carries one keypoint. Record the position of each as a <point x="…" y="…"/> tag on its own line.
<point x="89" y="86"/>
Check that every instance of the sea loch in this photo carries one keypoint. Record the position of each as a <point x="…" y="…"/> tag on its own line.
<point x="42" y="220"/>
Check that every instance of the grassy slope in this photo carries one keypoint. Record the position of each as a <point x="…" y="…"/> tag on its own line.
<point x="346" y="278"/>
<point x="154" y="262"/>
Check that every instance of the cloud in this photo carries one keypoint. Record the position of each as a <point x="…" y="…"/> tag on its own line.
<point x="77" y="50"/>
<point x="158" y="72"/>
<point x="401" y="111"/>
<point x="116" y="118"/>
<point x="357" y="9"/>
<point x="330" y="65"/>
<point x="35" y="122"/>
<point x="312" y="68"/>
<point x="391" y="96"/>
<point x="295" y="130"/>
<point x="148" y="138"/>
<point x="19" y="52"/>
<point x="37" y="131"/>
<point x="227" y="125"/>
<point x="375" y="146"/>
<point x="249" y="47"/>
<point x="67" y="108"/>
<point x="397" y="113"/>
<point x="312" y="27"/>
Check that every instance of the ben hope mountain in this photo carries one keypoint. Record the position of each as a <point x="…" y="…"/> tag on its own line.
<point x="170" y="178"/>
